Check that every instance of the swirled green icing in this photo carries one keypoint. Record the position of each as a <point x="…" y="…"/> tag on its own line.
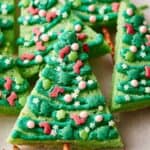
<point x="62" y="75"/>
<point x="132" y="81"/>
<point x="6" y="63"/>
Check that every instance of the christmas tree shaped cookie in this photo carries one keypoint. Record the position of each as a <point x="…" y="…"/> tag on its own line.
<point x="66" y="105"/>
<point x="132" y="70"/>
<point x="7" y="28"/>
<point x="43" y="20"/>
<point x="13" y="88"/>
<point x="97" y="12"/>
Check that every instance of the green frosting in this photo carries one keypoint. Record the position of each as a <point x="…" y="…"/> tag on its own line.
<point x="132" y="72"/>
<point x="51" y="18"/>
<point x="66" y="99"/>
<point x="6" y="27"/>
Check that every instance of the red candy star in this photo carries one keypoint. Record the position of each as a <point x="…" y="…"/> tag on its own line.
<point x="36" y="31"/>
<point x="11" y="99"/>
<point x="57" y="90"/>
<point x="147" y="71"/>
<point x="78" y="66"/>
<point x="46" y="126"/>
<point x="130" y="29"/>
<point x="50" y="16"/>
<point x="115" y="6"/>
<point x="40" y="46"/>
<point x="27" y="56"/>
<point x="64" y="51"/>
<point x="81" y="36"/>
<point x="8" y="83"/>
<point x="77" y="119"/>
<point x="33" y="10"/>
<point x="86" y="48"/>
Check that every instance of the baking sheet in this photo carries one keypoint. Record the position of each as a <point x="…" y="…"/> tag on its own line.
<point x="133" y="126"/>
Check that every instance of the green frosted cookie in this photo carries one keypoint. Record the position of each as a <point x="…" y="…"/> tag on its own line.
<point x="43" y="21"/>
<point x="7" y="27"/>
<point x="131" y="78"/>
<point x="97" y="13"/>
<point x="66" y="105"/>
<point x="13" y="88"/>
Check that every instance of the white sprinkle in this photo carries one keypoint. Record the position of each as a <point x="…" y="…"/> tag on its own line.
<point x="111" y="123"/>
<point x="126" y="87"/>
<point x="74" y="95"/>
<point x="143" y="47"/>
<point x="86" y="129"/>
<point x="79" y="78"/>
<point x="77" y="104"/>
<point x="4" y="11"/>
<point x="55" y="127"/>
<point x="17" y="87"/>
<point x="100" y="108"/>
<point x="147" y="90"/>
<point x="106" y="17"/>
<point x="4" y="21"/>
<point x="58" y="68"/>
<point x="127" y="98"/>
<point x="3" y="6"/>
<point x="92" y="125"/>
<point x="77" y="91"/>
<point x="90" y="82"/>
<point x="142" y="54"/>
<point x="7" y="61"/>
<point x="36" y="100"/>
<point x="143" y="82"/>
<point x="65" y="15"/>
<point x="124" y="66"/>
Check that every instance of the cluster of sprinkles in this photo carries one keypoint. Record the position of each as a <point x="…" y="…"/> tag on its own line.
<point x="136" y="86"/>
<point x="47" y="15"/>
<point x="95" y="11"/>
<point x="5" y="9"/>
<point x="66" y="77"/>
<point x="9" y="86"/>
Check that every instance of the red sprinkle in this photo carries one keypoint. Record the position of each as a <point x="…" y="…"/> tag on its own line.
<point x="147" y="71"/>
<point x="46" y="126"/>
<point x="33" y="10"/>
<point x="86" y="48"/>
<point x="78" y="66"/>
<point x="40" y="46"/>
<point x="11" y="99"/>
<point x="148" y="43"/>
<point x="27" y="56"/>
<point x="64" y="51"/>
<point x="130" y="29"/>
<point x="8" y="83"/>
<point x="77" y="119"/>
<point x="81" y="36"/>
<point x="50" y="16"/>
<point x="57" y="90"/>
<point x="36" y="31"/>
<point x="115" y="6"/>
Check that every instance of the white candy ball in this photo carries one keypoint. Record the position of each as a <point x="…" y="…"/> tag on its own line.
<point x="92" y="19"/>
<point x="98" y="118"/>
<point x="134" y="83"/>
<point x="30" y="124"/>
<point x="133" y="49"/>
<point x="83" y="114"/>
<point x="75" y="46"/>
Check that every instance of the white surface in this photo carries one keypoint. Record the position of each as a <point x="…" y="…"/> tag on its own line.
<point x="133" y="126"/>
